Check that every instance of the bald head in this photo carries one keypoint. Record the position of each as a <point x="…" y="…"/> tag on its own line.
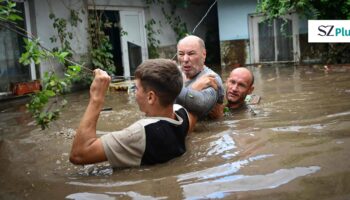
<point x="238" y="85"/>
<point x="191" y="39"/>
<point x="245" y="74"/>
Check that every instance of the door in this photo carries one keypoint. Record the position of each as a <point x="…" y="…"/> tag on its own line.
<point x="274" y="41"/>
<point x="134" y="46"/>
<point x="113" y="32"/>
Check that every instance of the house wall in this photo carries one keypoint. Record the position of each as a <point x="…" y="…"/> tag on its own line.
<point x="233" y="18"/>
<point x="42" y="26"/>
<point x="45" y="28"/>
<point x="233" y="31"/>
<point x="167" y="37"/>
<point x="309" y="52"/>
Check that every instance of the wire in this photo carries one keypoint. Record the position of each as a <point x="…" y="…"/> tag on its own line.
<point x="205" y="15"/>
<point x="200" y="21"/>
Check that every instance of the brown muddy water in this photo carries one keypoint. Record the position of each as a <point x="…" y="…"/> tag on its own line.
<point x="295" y="146"/>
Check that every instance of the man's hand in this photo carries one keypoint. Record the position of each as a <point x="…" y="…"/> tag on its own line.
<point x="217" y="111"/>
<point x="99" y="85"/>
<point x="205" y="81"/>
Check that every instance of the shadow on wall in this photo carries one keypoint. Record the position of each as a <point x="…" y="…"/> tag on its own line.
<point x="233" y="53"/>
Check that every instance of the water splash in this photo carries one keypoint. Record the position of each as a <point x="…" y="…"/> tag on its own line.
<point x="223" y="144"/>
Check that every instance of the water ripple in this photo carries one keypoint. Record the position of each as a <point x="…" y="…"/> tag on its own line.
<point x="134" y="195"/>
<point x="105" y="184"/>
<point x="219" y="188"/>
<point x="107" y="196"/>
<point x="339" y="114"/>
<point x="88" y="195"/>
<point x="297" y="128"/>
<point x="221" y="170"/>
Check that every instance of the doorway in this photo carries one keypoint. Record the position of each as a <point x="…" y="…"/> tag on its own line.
<point x="113" y="32"/>
<point x="128" y="38"/>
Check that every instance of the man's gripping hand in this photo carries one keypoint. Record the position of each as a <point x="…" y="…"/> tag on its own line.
<point x="99" y="85"/>
<point x="205" y="81"/>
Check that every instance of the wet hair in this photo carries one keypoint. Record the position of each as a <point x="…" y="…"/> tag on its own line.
<point x="161" y="76"/>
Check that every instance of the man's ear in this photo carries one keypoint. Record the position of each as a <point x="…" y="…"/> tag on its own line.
<point x="151" y="97"/>
<point x="204" y="54"/>
<point x="251" y="89"/>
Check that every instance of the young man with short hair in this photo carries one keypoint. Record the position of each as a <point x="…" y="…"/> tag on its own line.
<point x="156" y="139"/>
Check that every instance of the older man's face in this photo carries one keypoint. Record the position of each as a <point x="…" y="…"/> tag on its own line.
<point x="191" y="57"/>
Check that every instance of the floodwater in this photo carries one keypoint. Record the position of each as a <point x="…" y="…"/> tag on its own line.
<point x="295" y="146"/>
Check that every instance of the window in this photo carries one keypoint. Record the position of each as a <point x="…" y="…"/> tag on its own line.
<point x="274" y="41"/>
<point x="11" y="48"/>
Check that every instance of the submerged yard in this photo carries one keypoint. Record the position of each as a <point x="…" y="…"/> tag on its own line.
<point x="295" y="146"/>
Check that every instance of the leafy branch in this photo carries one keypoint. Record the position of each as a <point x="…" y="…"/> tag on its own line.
<point x="101" y="48"/>
<point x="179" y="27"/>
<point x="43" y="110"/>
<point x="44" y="105"/>
<point x="175" y="22"/>
<point x="152" y="43"/>
<point x="8" y="11"/>
<point x="275" y="9"/>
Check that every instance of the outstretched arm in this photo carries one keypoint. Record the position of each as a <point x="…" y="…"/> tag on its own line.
<point x="210" y="81"/>
<point x="197" y="102"/>
<point x="202" y="97"/>
<point x="87" y="148"/>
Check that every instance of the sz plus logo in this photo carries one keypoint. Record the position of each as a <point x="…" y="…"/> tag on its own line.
<point x="329" y="31"/>
<point x="325" y="30"/>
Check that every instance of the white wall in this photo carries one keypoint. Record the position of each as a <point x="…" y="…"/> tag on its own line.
<point x="167" y="37"/>
<point x="233" y="18"/>
<point x="191" y="16"/>
<point x="43" y="26"/>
